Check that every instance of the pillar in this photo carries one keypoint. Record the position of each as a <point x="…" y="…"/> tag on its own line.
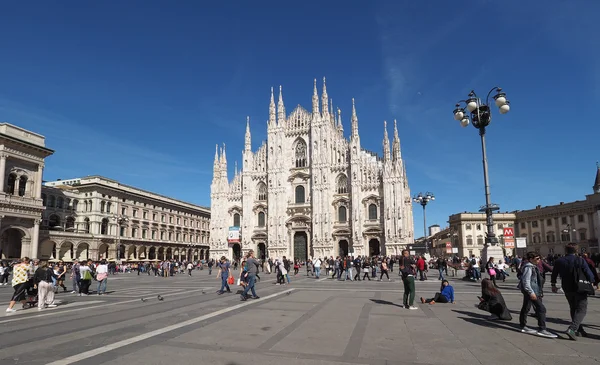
<point x="17" y="185"/>
<point x="35" y="239"/>
<point x="2" y="171"/>
<point x="38" y="182"/>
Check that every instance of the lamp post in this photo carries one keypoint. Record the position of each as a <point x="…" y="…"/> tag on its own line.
<point x="120" y="220"/>
<point x="570" y="231"/>
<point x="478" y="113"/>
<point x="423" y="199"/>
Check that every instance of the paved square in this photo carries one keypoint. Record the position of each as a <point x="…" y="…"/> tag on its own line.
<point x="308" y="322"/>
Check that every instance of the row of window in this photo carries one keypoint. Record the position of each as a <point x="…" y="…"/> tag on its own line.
<point x="563" y="221"/>
<point x="342" y="216"/>
<point x="478" y="226"/>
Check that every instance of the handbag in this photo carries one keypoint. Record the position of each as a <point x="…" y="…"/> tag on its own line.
<point x="583" y="285"/>
<point x="492" y="271"/>
<point x="230" y="280"/>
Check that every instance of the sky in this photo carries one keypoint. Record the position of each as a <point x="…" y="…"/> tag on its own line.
<point x="141" y="91"/>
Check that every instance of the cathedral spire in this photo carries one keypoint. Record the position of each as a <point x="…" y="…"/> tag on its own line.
<point x="272" y="114"/>
<point x="325" y="98"/>
<point x="597" y="181"/>
<point x="280" y="109"/>
<point x="248" y="144"/>
<point x="235" y="170"/>
<point x="386" y="143"/>
<point x="354" y="121"/>
<point x="223" y="156"/>
<point x="315" y="99"/>
<point x="340" y="119"/>
<point x="216" y="163"/>
<point x="396" y="143"/>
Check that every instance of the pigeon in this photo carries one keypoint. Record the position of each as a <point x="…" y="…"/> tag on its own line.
<point x="159" y="297"/>
<point x="288" y="293"/>
<point x="203" y="292"/>
<point x="143" y="300"/>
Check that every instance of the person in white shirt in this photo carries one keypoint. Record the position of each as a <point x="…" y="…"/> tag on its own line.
<point x="501" y="270"/>
<point x="317" y="266"/>
<point x="190" y="267"/>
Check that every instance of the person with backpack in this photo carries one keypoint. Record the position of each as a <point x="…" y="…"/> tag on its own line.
<point x="531" y="285"/>
<point x="573" y="271"/>
<point x="475" y="268"/>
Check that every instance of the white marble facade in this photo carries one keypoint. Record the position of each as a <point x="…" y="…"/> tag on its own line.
<point x="309" y="191"/>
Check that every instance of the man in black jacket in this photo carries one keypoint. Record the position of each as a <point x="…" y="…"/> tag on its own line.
<point x="565" y="267"/>
<point x="42" y="278"/>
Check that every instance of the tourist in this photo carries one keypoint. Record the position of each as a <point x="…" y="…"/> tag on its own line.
<point x="19" y="283"/>
<point x="566" y="267"/>
<point x="384" y="270"/>
<point x="407" y="268"/>
<point x="531" y="286"/>
<point x="490" y="267"/>
<point x="446" y="295"/>
<point x="87" y="276"/>
<point x="224" y="273"/>
<point x="252" y="266"/>
<point x="75" y="277"/>
<point x="42" y="279"/>
<point x="102" y="277"/>
<point x="492" y="301"/>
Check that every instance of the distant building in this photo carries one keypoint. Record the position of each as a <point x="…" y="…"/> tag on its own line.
<point x="96" y="218"/>
<point x="549" y="229"/>
<point x="471" y="228"/>
<point x="434" y="229"/>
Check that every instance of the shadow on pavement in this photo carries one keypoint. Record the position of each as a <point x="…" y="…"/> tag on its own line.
<point x="482" y="320"/>
<point x="379" y="301"/>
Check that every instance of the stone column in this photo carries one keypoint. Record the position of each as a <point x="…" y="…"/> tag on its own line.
<point x="2" y="171"/>
<point x="17" y="185"/>
<point x="38" y="181"/>
<point x="35" y="239"/>
<point x="26" y="249"/>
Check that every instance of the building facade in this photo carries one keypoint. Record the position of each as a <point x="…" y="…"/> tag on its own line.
<point x="467" y="231"/>
<point x="310" y="192"/>
<point x="549" y="229"/>
<point x="22" y="155"/>
<point x="98" y="218"/>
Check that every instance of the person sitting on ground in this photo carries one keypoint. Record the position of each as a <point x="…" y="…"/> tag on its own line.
<point x="492" y="301"/>
<point x="446" y="295"/>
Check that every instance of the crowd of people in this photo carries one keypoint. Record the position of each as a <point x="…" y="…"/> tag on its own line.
<point x="35" y="282"/>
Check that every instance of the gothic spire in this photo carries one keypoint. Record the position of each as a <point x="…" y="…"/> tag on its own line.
<point x="325" y="98"/>
<point x="340" y="119"/>
<point x="248" y="145"/>
<point x="386" y="143"/>
<point x="597" y="181"/>
<point x="315" y="99"/>
<point x="216" y="154"/>
<point x="396" y="143"/>
<point x="223" y="155"/>
<point x="272" y="114"/>
<point x="280" y="109"/>
<point x="355" y="121"/>
<point x="235" y="170"/>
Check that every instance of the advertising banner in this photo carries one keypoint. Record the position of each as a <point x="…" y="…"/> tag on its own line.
<point x="234" y="235"/>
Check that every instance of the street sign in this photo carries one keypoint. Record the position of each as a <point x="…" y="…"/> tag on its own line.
<point x="509" y="232"/>
<point x="448" y="247"/>
<point x="233" y="236"/>
<point x="509" y="242"/>
<point x="521" y="242"/>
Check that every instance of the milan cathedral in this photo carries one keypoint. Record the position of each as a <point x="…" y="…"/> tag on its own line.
<point x="310" y="192"/>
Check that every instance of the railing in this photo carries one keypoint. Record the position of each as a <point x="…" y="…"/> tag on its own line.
<point x="21" y="200"/>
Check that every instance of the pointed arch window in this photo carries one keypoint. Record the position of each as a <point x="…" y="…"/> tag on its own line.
<point x="342" y="184"/>
<point x="236" y="220"/>
<point x="261" y="219"/>
<point x="372" y="212"/>
<point x="300" y="196"/>
<point x="342" y="214"/>
<point x="262" y="191"/>
<point x="300" y="153"/>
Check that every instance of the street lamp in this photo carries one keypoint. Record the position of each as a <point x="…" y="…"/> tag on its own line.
<point x="423" y="200"/>
<point x="570" y="231"/>
<point x="481" y="116"/>
<point x="120" y="220"/>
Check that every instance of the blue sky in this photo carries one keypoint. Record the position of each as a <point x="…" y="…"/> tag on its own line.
<point x="140" y="91"/>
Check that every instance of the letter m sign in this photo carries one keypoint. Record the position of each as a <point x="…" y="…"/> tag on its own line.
<point x="509" y="232"/>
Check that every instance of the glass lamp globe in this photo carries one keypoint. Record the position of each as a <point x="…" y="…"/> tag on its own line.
<point x="458" y="114"/>
<point x="432" y="197"/>
<point x="472" y="105"/>
<point x="500" y="100"/>
<point x="504" y="109"/>
<point x="464" y="122"/>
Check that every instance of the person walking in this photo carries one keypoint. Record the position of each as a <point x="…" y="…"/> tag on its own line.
<point x="42" y="279"/>
<point x="20" y="283"/>
<point x="531" y="286"/>
<point x="407" y="268"/>
<point x="567" y="266"/>
<point x="252" y="266"/>
<point x="102" y="277"/>
<point x="224" y="274"/>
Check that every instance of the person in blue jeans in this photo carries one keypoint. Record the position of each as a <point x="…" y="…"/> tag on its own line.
<point x="252" y="266"/>
<point x="224" y="273"/>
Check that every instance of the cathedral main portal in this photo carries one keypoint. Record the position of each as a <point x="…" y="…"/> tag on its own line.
<point x="300" y="246"/>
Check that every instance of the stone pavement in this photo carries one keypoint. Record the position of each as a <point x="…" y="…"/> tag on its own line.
<point x="308" y="322"/>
